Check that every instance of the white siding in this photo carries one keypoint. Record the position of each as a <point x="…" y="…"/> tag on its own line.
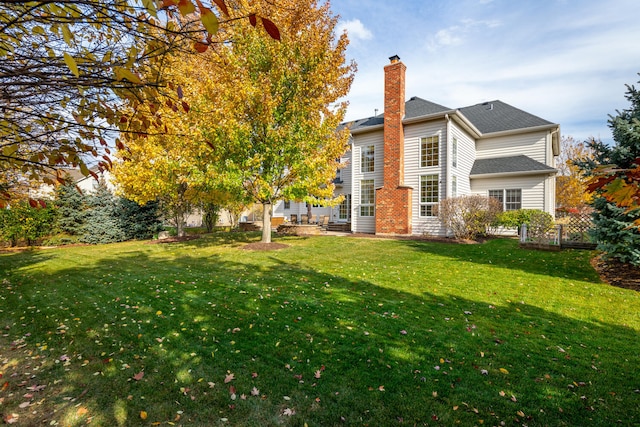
<point x="533" y="189"/>
<point x="466" y="158"/>
<point x="364" y="224"/>
<point x="533" y="145"/>
<point x="413" y="171"/>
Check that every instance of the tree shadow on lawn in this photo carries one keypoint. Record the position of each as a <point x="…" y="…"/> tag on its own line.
<point x="334" y="351"/>
<point x="506" y="253"/>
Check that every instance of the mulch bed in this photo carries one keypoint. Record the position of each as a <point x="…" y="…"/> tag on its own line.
<point x="617" y="274"/>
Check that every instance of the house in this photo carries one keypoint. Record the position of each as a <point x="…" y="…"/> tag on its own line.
<point x="417" y="153"/>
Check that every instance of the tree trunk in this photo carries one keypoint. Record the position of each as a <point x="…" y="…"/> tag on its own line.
<point x="266" y="222"/>
<point x="179" y="218"/>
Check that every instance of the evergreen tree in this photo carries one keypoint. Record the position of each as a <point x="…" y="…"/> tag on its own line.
<point x="138" y="221"/>
<point x="70" y="204"/>
<point x="101" y="223"/>
<point x="615" y="231"/>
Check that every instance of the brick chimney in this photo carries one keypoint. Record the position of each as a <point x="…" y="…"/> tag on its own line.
<point x="393" y="199"/>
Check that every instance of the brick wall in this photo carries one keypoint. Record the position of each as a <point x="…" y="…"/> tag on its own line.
<point x="393" y="199"/>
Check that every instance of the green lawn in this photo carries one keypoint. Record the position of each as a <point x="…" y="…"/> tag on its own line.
<point x="330" y="331"/>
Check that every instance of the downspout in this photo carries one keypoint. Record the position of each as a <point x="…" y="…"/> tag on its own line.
<point x="552" y="209"/>
<point x="448" y="164"/>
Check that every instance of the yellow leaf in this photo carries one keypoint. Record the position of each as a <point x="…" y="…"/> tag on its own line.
<point x="504" y="371"/>
<point x="520" y="413"/>
<point x="38" y="30"/>
<point x="67" y="35"/>
<point x="123" y="73"/>
<point x="143" y="415"/>
<point x="71" y="63"/>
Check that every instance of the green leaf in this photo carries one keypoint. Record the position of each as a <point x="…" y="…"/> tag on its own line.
<point x="150" y="5"/>
<point x="71" y="63"/>
<point x="209" y="19"/>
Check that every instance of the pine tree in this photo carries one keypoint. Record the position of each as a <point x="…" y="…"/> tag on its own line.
<point x="102" y="224"/>
<point x="138" y="221"/>
<point x="615" y="231"/>
<point x="70" y="206"/>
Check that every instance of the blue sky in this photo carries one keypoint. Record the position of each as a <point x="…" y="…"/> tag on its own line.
<point x="565" y="61"/>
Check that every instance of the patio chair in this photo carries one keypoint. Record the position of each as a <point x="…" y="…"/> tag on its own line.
<point x="294" y="219"/>
<point x="304" y="219"/>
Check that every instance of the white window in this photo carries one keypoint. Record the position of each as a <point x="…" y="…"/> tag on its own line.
<point x="454" y="153"/>
<point x="428" y="194"/>
<point x="367" y="197"/>
<point x="454" y="186"/>
<point x="510" y="199"/>
<point x="287" y="204"/>
<point x="367" y="158"/>
<point x="429" y="151"/>
<point x="345" y="207"/>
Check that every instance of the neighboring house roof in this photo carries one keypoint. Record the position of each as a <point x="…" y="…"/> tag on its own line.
<point x="509" y="165"/>
<point x="487" y="117"/>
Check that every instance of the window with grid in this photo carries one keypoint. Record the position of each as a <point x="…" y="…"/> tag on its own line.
<point x="429" y="148"/>
<point x="498" y="195"/>
<point x="367" y="157"/>
<point x="512" y="200"/>
<point x="345" y="207"/>
<point x="287" y="204"/>
<point x="428" y="194"/>
<point x="367" y="197"/>
<point x="454" y="186"/>
<point x="454" y="153"/>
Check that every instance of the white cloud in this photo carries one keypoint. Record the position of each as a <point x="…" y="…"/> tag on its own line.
<point x="455" y="35"/>
<point x="355" y="29"/>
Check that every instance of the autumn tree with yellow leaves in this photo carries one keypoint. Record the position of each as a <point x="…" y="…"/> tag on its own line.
<point x="571" y="182"/>
<point x="67" y="67"/>
<point x="275" y="125"/>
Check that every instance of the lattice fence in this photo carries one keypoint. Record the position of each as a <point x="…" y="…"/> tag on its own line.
<point x="574" y="229"/>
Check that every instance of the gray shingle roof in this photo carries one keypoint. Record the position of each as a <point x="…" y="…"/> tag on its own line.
<point x="418" y="107"/>
<point x="512" y="164"/>
<point x="496" y="116"/>
<point x="487" y="117"/>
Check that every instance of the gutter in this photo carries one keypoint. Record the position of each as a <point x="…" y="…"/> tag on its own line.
<point x="519" y="173"/>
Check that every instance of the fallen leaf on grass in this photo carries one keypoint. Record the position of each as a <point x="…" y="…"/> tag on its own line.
<point x="138" y="376"/>
<point x="504" y="371"/>
<point x="317" y="374"/>
<point x="288" y="412"/>
<point x="230" y="377"/>
<point x="255" y="392"/>
<point x="143" y="415"/>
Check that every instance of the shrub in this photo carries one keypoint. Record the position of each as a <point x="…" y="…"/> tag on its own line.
<point x="21" y="222"/>
<point x="468" y="217"/>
